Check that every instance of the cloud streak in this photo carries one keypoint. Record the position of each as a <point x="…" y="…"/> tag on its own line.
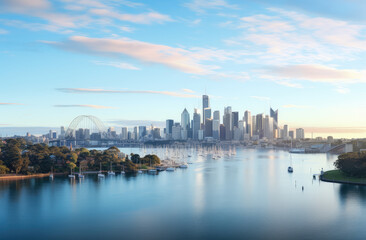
<point x="176" y="58"/>
<point x="103" y="91"/>
<point x="120" y="65"/>
<point x="84" y="106"/>
<point x="10" y="104"/>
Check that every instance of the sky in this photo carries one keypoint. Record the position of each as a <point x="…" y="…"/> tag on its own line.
<point x="142" y="62"/>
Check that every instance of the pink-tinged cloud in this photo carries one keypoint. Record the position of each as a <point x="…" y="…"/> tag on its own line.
<point x="316" y="73"/>
<point x="349" y="130"/>
<point x="176" y="58"/>
<point x="88" y="90"/>
<point x="84" y="106"/>
<point x="142" y="18"/>
<point x="10" y="104"/>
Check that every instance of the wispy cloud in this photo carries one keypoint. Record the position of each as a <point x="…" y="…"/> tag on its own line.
<point x="201" y="6"/>
<point x="317" y="73"/>
<point x="142" y="18"/>
<point x="121" y="65"/>
<point x="84" y="106"/>
<point x="10" y="104"/>
<point x="187" y="90"/>
<point x="3" y="31"/>
<point x="103" y="91"/>
<point x="176" y="58"/>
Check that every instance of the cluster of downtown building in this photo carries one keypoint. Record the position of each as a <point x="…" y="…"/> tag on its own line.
<point x="207" y="126"/>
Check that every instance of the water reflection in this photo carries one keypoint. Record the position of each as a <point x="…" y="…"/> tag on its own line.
<point x="348" y="192"/>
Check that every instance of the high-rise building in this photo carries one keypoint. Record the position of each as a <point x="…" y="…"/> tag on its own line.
<point x="205" y="104"/>
<point x="300" y="133"/>
<point x="274" y="115"/>
<point x="135" y="133"/>
<point x="254" y="125"/>
<point x="196" y="123"/>
<point x="248" y="120"/>
<point x="222" y="132"/>
<point x="124" y="133"/>
<point x="142" y="131"/>
<point x="206" y="114"/>
<point x="260" y="125"/>
<point x="216" y="129"/>
<point x="216" y="115"/>
<point x="184" y="120"/>
<point x="291" y="134"/>
<point x="169" y="128"/>
<point x="285" y="131"/>
<point x="156" y="133"/>
<point x="227" y="121"/>
<point x="235" y="119"/>
<point x="176" y="132"/>
<point x="268" y="127"/>
<point x="208" y="127"/>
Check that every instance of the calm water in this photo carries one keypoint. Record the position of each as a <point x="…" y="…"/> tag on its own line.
<point x="249" y="195"/>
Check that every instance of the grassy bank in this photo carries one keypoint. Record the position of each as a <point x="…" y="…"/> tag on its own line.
<point x="17" y="177"/>
<point x="339" y="177"/>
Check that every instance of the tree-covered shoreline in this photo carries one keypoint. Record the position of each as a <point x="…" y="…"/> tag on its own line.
<point x="17" y="156"/>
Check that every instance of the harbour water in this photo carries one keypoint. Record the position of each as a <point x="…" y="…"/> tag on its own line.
<point x="249" y="195"/>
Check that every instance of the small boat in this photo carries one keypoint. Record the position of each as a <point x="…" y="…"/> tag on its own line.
<point x="123" y="170"/>
<point x="71" y="175"/>
<point x="51" y="174"/>
<point x="139" y="171"/>
<point x="160" y="169"/>
<point x="184" y="165"/>
<point x="100" y="174"/>
<point x="170" y="169"/>
<point x="152" y="171"/>
<point x="80" y="175"/>
<point x="290" y="169"/>
<point x="110" y="172"/>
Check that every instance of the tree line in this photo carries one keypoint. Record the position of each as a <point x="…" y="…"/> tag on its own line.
<point x="352" y="164"/>
<point x="18" y="156"/>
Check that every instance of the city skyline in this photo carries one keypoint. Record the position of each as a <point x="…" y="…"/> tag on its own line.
<point x="247" y="55"/>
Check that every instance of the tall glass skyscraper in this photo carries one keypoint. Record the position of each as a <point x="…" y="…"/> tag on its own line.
<point x="205" y="104"/>
<point x="274" y="115"/>
<point x="196" y="123"/>
<point x="184" y="120"/>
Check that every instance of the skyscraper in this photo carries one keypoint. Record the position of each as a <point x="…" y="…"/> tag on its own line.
<point x="216" y="115"/>
<point x="285" y="131"/>
<point x="185" y="120"/>
<point x="268" y="127"/>
<point x="124" y="134"/>
<point x="300" y="133"/>
<point x="168" y="126"/>
<point x="235" y="119"/>
<point x="196" y="123"/>
<point x="248" y="120"/>
<point x="216" y="129"/>
<point x="227" y="121"/>
<point x="207" y="114"/>
<point x="205" y="104"/>
<point x="274" y="115"/>
<point x="259" y="125"/>
<point x="208" y="127"/>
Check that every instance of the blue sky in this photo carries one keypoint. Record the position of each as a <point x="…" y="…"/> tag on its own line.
<point x="124" y="61"/>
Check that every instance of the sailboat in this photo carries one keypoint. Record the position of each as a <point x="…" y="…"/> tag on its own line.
<point x="123" y="170"/>
<point x="100" y="174"/>
<point x="290" y="169"/>
<point x="51" y="174"/>
<point x="71" y="175"/>
<point x="110" y="172"/>
<point x="80" y="174"/>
